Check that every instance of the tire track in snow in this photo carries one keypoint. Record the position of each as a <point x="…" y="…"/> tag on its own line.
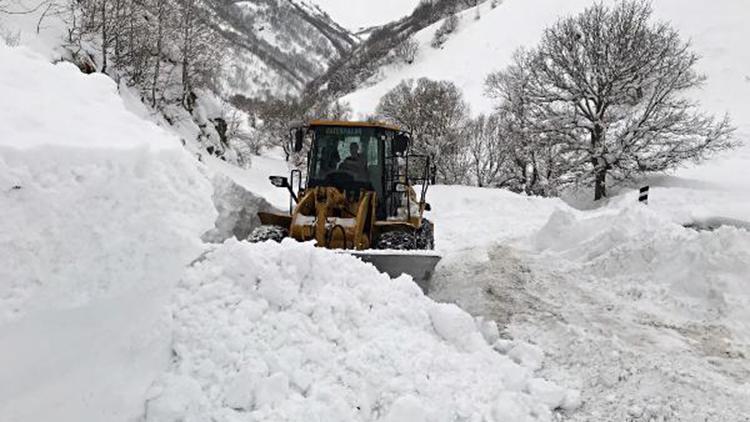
<point x="630" y="365"/>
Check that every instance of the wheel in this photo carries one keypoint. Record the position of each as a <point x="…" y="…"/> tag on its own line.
<point x="426" y="235"/>
<point x="396" y="240"/>
<point x="264" y="233"/>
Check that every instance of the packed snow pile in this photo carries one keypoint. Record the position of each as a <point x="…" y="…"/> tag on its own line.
<point x="647" y="318"/>
<point x="45" y="104"/>
<point x="289" y="332"/>
<point x="101" y="212"/>
<point x="238" y="210"/>
<point x="473" y="219"/>
<point x="679" y="274"/>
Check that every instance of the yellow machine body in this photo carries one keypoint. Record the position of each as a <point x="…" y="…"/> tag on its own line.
<point x="355" y="212"/>
<point x="335" y="221"/>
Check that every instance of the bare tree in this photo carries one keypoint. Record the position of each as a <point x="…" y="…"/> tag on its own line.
<point x="434" y="111"/>
<point x="407" y="50"/>
<point x="161" y="10"/>
<point x="199" y="46"/>
<point x="277" y="115"/>
<point x="42" y="9"/>
<point x="608" y="88"/>
<point x="487" y="150"/>
<point x="9" y="37"/>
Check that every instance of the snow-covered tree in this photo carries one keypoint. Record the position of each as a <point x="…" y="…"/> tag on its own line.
<point x="407" y="50"/>
<point x="449" y="26"/>
<point x="540" y="165"/>
<point x="434" y="112"/>
<point x="167" y="48"/>
<point x="608" y="90"/>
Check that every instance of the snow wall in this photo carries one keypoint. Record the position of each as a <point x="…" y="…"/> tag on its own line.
<point x="101" y="211"/>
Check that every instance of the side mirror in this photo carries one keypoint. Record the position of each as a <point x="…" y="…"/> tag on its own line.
<point x="279" y="181"/>
<point x="299" y="139"/>
<point x="401" y="143"/>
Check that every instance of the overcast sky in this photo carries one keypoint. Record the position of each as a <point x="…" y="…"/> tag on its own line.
<point x="354" y="14"/>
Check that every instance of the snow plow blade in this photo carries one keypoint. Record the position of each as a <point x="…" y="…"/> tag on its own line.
<point x="420" y="266"/>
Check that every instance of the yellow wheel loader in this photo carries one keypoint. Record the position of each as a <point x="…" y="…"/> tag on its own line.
<point x="359" y="197"/>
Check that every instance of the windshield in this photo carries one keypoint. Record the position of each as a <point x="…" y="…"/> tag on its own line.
<point x="347" y="153"/>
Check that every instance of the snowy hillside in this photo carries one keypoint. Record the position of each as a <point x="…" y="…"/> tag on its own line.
<point x="486" y="45"/>
<point x="482" y="46"/>
<point x="278" y="46"/>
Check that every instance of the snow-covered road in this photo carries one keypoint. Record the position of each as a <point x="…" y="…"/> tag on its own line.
<point x="646" y="318"/>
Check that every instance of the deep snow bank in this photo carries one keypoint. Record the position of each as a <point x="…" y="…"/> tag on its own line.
<point x="101" y="211"/>
<point x="290" y="332"/>
<point x="238" y="210"/>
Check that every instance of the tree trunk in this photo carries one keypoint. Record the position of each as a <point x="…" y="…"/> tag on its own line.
<point x="118" y="31"/>
<point x="157" y="63"/>
<point x="187" y="52"/>
<point x="600" y="184"/>
<point x="599" y="162"/>
<point x="105" y="42"/>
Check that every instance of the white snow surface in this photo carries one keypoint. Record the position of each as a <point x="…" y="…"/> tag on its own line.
<point x="101" y="212"/>
<point x="115" y="311"/>
<point x="291" y="332"/>
<point x="66" y="107"/>
<point x="479" y="47"/>
<point x="112" y="309"/>
<point x="647" y="319"/>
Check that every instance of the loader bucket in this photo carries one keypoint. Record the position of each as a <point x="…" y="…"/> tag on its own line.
<point x="420" y="266"/>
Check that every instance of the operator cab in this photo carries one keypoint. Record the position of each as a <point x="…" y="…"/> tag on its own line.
<point x="354" y="156"/>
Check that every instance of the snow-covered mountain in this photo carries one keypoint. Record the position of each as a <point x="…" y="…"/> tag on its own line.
<point x="485" y="45"/>
<point x="377" y="50"/>
<point x="487" y="37"/>
<point x="278" y="45"/>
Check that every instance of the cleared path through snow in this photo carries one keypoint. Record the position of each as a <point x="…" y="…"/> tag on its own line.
<point x="646" y="318"/>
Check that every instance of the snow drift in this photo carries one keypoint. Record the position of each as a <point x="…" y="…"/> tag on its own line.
<point x="288" y="333"/>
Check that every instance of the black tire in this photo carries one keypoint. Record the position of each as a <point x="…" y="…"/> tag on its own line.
<point x="426" y="235"/>
<point x="265" y="233"/>
<point x="396" y="240"/>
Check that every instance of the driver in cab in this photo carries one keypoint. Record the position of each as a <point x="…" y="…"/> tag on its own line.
<point x="355" y="163"/>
